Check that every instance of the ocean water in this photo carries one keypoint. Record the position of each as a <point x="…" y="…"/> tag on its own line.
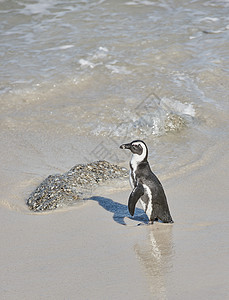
<point x="78" y="78"/>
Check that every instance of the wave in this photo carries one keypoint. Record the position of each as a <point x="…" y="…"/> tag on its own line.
<point x="153" y="116"/>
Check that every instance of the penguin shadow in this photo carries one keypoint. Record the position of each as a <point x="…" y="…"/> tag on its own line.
<point x="120" y="211"/>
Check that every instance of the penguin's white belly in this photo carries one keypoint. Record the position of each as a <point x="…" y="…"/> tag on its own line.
<point x="147" y="207"/>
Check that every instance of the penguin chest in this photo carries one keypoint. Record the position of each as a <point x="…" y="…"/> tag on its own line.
<point x="132" y="179"/>
<point x="133" y="169"/>
<point x="146" y="201"/>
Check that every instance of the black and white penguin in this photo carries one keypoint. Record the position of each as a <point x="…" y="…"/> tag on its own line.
<point x="146" y="186"/>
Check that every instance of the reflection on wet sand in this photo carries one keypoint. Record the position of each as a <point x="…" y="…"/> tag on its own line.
<point x="156" y="256"/>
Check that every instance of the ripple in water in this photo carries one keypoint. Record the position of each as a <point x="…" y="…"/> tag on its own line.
<point x="153" y="116"/>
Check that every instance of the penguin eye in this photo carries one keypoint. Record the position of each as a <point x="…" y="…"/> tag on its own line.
<point x="135" y="147"/>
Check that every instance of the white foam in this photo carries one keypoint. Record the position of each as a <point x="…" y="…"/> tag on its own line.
<point x="86" y="63"/>
<point x="103" y="49"/>
<point x="118" y="69"/>
<point x="64" y="47"/>
<point x="100" y="53"/>
<point x="210" y="19"/>
<point x="178" y="107"/>
<point x="140" y="2"/>
<point x="41" y="7"/>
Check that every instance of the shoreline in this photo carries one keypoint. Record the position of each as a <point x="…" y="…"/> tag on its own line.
<point x="86" y="252"/>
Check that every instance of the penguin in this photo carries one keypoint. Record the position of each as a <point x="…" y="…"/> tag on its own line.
<point x="146" y="186"/>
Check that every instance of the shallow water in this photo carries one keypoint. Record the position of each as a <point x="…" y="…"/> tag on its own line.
<point x="78" y="78"/>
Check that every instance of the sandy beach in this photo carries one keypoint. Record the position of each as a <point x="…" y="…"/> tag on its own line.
<point x="77" y="80"/>
<point x="85" y="252"/>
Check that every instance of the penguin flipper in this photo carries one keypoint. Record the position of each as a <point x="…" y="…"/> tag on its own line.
<point x="137" y="192"/>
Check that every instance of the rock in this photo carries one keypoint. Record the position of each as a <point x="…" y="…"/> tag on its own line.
<point x="76" y="184"/>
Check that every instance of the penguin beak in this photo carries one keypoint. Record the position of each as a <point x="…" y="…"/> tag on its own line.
<point x="125" y="146"/>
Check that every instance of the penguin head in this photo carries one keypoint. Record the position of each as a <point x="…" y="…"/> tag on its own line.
<point x="138" y="148"/>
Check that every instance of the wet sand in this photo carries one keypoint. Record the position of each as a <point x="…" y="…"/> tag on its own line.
<point x="85" y="252"/>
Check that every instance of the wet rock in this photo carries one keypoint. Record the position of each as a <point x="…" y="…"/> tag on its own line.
<point x="174" y="122"/>
<point x="76" y="184"/>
